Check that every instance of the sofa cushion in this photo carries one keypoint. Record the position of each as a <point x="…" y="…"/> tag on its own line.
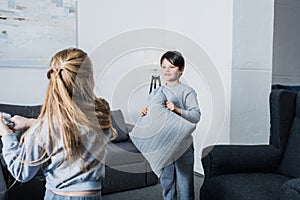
<point x="122" y="153"/>
<point x="161" y="134"/>
<point x="119" y="124"/>
<point x="117" y="180"/>
<point x="241" y="187"/>
<point x="291" y="189"/>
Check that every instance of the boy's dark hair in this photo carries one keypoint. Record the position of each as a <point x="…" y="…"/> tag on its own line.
<point x="174" y="57"/>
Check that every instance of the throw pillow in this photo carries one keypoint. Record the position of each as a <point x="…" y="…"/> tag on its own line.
<point x="160" y="133"/>
<point x="119" y="124"/>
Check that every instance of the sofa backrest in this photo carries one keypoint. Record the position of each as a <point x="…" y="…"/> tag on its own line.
<point x="118" y="122"/>
<point x="295" y="88"/>
<point x="26" y="111"/>
<point x="290" y="163"/>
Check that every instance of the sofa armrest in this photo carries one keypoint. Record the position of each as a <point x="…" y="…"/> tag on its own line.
<point x="228" y="159"/>
<point x="3" y="187"/>
<point x="291" y="189"/>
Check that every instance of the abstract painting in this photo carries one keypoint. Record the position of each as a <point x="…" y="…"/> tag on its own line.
<point x="32" y="31"/>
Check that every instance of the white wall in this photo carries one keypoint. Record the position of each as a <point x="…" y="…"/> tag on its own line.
<point x="200" y="29"/>
<point x="126" y="42"/>
<point x="20" y="85"/>
<point x="251" y="71"/>
<point x="286" y="59"/>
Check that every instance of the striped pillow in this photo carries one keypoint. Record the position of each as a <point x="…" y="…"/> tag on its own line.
<point x="159" y="134"/>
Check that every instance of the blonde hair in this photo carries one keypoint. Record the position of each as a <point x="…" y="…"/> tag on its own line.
<point x="70" y="105"/>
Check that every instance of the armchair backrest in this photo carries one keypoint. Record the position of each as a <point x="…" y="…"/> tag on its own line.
<point x="282" y="111"/>
<point x="290" y="163"/>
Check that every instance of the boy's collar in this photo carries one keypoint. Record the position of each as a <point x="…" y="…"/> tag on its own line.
<point x="173" y="84"/>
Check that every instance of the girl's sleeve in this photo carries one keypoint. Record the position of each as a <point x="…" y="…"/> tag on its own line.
<point x="17" y="157"/>
<point x="191" y="112"/>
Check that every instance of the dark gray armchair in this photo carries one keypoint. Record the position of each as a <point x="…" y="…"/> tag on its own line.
<point x="259" y="172"/>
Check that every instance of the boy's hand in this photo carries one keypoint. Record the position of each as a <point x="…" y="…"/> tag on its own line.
<point x="144" y="111"/>
<point x="171" y="106"/>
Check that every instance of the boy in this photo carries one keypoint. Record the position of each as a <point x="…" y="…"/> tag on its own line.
<point x="181" y="171"/>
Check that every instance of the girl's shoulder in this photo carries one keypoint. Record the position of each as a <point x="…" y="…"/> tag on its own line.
<point x="37" y="132"/>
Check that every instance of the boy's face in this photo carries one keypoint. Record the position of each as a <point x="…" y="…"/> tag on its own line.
<point x="170" y="73"/>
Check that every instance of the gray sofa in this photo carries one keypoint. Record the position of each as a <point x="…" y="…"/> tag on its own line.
<point x="126" y="168"/>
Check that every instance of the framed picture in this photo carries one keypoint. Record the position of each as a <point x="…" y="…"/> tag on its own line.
<point x="31" y="31"/>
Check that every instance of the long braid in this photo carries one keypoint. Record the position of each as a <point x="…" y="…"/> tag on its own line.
<point x="104" y="115"/>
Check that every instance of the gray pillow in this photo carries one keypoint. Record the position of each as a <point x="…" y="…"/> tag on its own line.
<point x="160" y="133"/>
<point x="119" y="124"/>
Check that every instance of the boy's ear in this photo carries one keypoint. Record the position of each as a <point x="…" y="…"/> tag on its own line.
<point x="182" y="69"/>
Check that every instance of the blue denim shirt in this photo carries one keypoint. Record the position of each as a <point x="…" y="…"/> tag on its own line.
<point x="60" y="174"/>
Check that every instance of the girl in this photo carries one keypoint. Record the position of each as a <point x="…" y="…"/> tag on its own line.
<point x="180" y="173"/>
<point x="66" y="140"/>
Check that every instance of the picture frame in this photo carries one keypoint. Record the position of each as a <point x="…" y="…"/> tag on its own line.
<point x="31" y="32"/>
